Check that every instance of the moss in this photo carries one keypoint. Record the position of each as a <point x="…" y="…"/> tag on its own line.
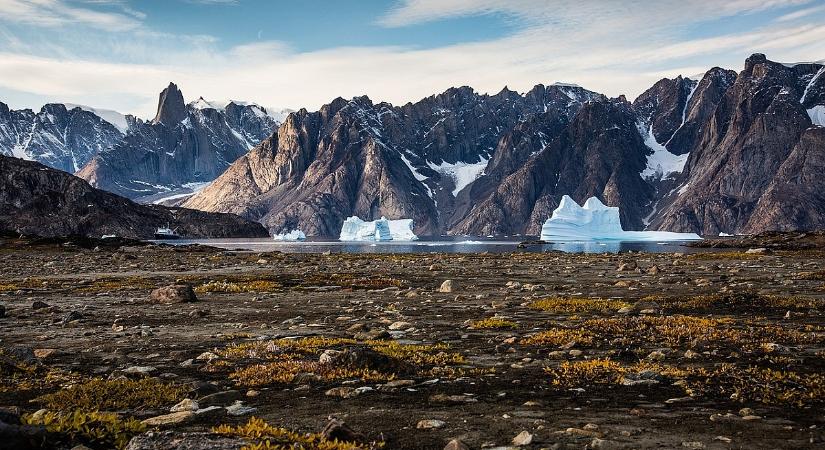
<point x="94" y="429"/>
<point x="493" y="323"/>
<point x="559" y="336"/>
<point x="586" y="373"/>
<point x="240" y="286"/>
<point x="284" y="372"/>
<point x="261" y="435"/>
<point x="98" y="394"/>
<point x="565" y="305"/>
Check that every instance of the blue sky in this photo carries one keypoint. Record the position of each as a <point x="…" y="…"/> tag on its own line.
<point x="118" y="54"/>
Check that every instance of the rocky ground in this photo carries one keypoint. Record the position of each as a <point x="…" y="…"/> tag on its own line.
<point x="154" y="347"/>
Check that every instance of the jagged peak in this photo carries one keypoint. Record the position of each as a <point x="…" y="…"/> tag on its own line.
<point x="171" y="107"/>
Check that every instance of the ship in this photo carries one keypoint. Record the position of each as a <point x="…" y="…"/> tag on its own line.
<point x="166" y="233"/>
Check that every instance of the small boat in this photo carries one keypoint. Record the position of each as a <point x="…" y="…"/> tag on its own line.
<point x="166" y="233"/>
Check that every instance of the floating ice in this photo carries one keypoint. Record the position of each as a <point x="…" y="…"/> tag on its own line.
<point x="355" y="229"/>
<point x="595" y="222"/>
<point x="294" y="235"/>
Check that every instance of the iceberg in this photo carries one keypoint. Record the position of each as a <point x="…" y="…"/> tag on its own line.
<point x="596" y="222"/>
<point x="355" y="229"/>
<point x="294" y="235"/>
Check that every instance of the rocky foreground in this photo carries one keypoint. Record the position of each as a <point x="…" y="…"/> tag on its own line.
<point x="145" y="347"/>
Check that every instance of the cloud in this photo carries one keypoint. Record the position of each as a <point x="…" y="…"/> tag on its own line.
<point x="799" y="14"/>
<point x="54" y="13"/>
<point x="608" y="46"/>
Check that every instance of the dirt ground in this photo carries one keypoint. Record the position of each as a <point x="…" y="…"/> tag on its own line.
<point x="713" y="350"/>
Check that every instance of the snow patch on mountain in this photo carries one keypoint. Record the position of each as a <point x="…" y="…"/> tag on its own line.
<point x="462" y="173"/>
<point x="113" y="117"/>
<point x="661" y="163"/>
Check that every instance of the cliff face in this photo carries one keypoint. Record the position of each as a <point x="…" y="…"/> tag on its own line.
<point x="183" y="146"/>
<point x="57" y="136"/>
<point x="722" y="154"/>
<point x="746" y="165"/>
<point x="35" y="199"/>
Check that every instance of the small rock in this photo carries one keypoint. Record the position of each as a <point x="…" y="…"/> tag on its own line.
<point x="220" y="398"/>
<point x="175" y="293"/>
<point x="656" y="355"/>
<point x="139" y="370"/>
<point x="185" y="405"/>
<point x="238" y="409"/>
<point x="336" y="429"/>
<point x="693" y="444"/>
<point x="758" y="251"/>
<point x="448" y="286"/>
<point x="43" y="353"/>
<point x="37" y="304"/>
<point x="523" y="438"/>
<point x="456" y="444"/>
<point x="745" y="412"/>
<point x="72" y="316"/>
<point x="207" y="356"/>
<point x="169" y="419"/>
<point x="252" y="393"/>
<point x="627" y="266"/>
<point x="342" y="392"/>
<point x="399" y="325"/>
<point x="427" y="424"/>
<point x="2" y="311"/>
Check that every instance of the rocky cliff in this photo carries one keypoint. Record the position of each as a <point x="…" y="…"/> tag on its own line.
<point x="182" y="148"/>
<point x="57" y="136"/>
<point x="721" y="154"/>
<point x="38" y="200"/>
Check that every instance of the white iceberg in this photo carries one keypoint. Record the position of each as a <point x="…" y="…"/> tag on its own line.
<point x="355" y="229"/>
<point x="596" y="222"/>
<point x="294" y="235"/>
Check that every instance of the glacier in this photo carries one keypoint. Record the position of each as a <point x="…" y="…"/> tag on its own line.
<point x="294" y="235"/>
<point x="355" y="229"/>
<point x="595" y="222"/>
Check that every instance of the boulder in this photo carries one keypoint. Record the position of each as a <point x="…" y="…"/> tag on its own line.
<point x="175" y="293"/>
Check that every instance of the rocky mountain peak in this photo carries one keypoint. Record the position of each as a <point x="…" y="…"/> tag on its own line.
<point x="171" y="107"/>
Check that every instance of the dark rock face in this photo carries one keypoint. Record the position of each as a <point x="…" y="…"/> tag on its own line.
<point x="37" y="200"/>
<point x="750" y="169"/>
<point x="61" y="138"/>
<point x="184" y="145"/>
<point x="460" y="162"/>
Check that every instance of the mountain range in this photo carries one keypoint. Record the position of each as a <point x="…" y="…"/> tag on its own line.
<point x="731" y="152"/>
<point x="727" y="152"/>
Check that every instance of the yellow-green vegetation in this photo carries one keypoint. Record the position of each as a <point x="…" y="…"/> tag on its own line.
<point x="239" y="286"/>
<point x="733" y="255"/>
<point x="284" y="372"/>
<point x="98" y="394"/>
<point x="261" y="435"/>
<point x="571" y="305"/>
<point x="6" y="287"/>
<point x="559" y="336"/>
<point x="572" y="374"/>
<point x="352" y="281"/>
<point x="492" y="323"/>
<point x="759" y="384"/>
<point x="17" y="376"/>
<point x="286" y="358"/>
<point x="747" y="301"/>
<point x="102" y="430"/>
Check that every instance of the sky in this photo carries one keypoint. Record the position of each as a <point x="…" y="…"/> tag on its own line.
<point x="119" y="54"/>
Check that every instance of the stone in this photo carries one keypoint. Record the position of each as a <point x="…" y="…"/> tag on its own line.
<point x="38" y="304"/>
<point x="154" y="440"/>
<point x="207" y="356"/>
<point x="223" y="398"/>
<point x="693" y="444"/>
<point x="185" y="405"/>
<point x="336" y="429"/>
<point x="172" y="294"/>
<point x="427" y="424"/>
<point x="448" y="286"/>
<point x="627" y="266"/>
<point x="342" y="392"/>
<point x="452" y="399"/>
<point x="2" y="311"/>
<point x="758" y="251"/>
<point x="523" y="438"/>
<point x="399" y="325"/>
<point x="656" y="355"/>
<point x="72" y="316"/>
<point x="139" y="370"/>
<point x="175" y="418"/>
<point x="456" y="444"/>
<point x="239" y="409"/>
<point x="43" y="353"/>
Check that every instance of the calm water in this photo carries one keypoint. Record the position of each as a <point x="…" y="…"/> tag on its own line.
<point x="436" y="245"/>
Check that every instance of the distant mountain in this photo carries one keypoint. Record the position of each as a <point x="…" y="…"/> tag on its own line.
<point x="181" y="149"/>
<point x="727" y="153"/>
<point x="35" y="199"/>
<point x="59" y="136"/>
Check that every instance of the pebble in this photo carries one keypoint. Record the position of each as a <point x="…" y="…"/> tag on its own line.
<point x="342" y="392"/>
<point x="448" y="286"/>
<point x="169" y="419"/>
<point x="456" y="444"/>
<point x="523" y="438"/>
<point x="427" y="424"/>
<point x="185" y="405"/>
<point x="238" y="409"/>
<point x="140" y="370"/>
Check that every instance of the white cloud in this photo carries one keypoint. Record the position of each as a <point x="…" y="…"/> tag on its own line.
<point x="53" y="13"/>
<point x="609" y="46"/>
